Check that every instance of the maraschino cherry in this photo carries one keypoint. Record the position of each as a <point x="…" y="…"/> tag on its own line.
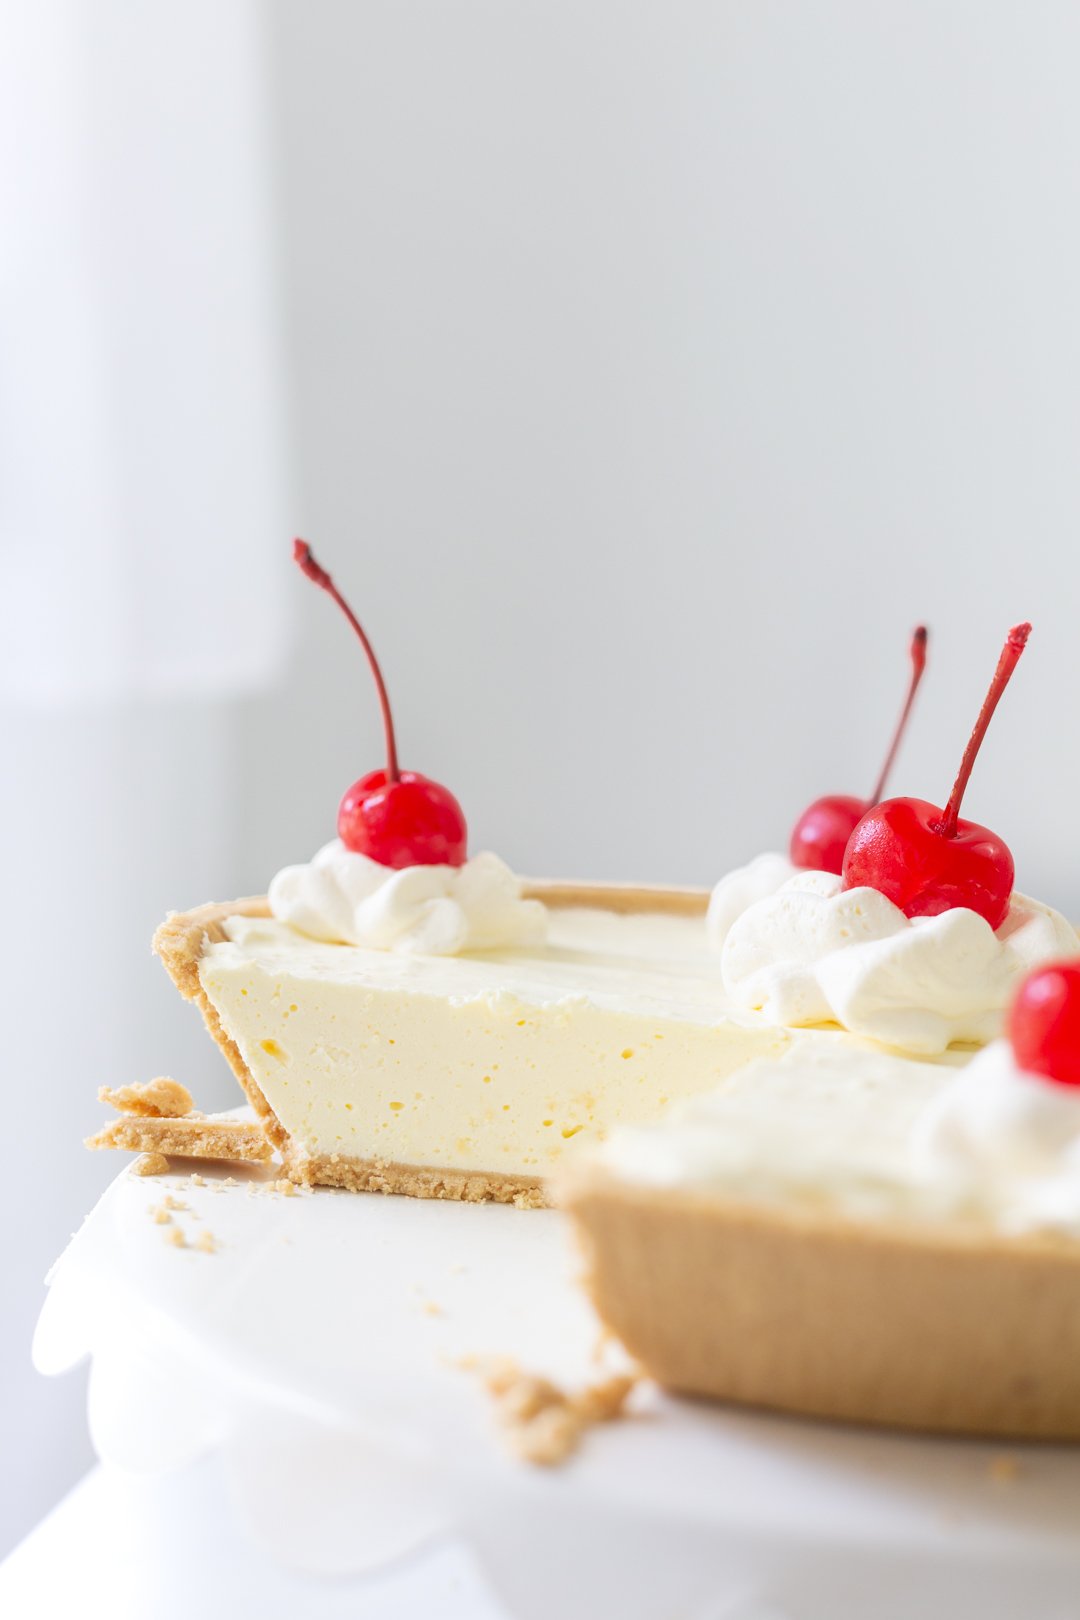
<point x="398" y="818"/>
<point x="927" y="860"/>
<point x="1044" y="1022"/>
<point x="820" y="835"/>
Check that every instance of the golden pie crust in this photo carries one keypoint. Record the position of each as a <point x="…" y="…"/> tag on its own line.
<point x="947" y="1327"/>
<point x="194" y="1136"/>
<point x="162" y="1098"/>
<point x="180" y="942"/>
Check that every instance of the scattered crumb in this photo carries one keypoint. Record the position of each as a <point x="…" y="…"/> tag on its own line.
<point x="430" y="1308"/>
<point x="150" y="1164"/>
<point x="524" y="1396"/>
<point x="1004" y="1469"/>
<point x="548" y="1439"/>
<point x="490" y="1367"/>
<point x="230" y="1181"/>
<point x="175" y="1236"/>
<point x="169" y="1202"/>
<point x="600" y="1403"/>
<point x="544" y="1424"/>
<point x="163" y="1098"/>
<point x="206" y="1242"/>
<point x="197" y="1180"/>
<point x="266" y="1189"/>
<point x="162" y="1216"/>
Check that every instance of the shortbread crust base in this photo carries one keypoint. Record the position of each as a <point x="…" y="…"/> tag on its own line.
<point x="949" y="1327"/>
<point x="414" y="1181"/>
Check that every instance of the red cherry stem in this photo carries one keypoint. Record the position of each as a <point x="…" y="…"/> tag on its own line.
<point x="302" y="554"/>
<point x="918" y="664"/>
<point x="1015" y="643"/>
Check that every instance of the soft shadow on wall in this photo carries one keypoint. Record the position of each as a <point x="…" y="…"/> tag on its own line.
<point x="144" y="479"/>
<point x="654" y="371"/>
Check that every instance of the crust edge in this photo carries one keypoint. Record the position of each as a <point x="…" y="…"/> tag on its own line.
<point x="414" y="1181"/>
<point x="180" y="941"/>
<point x="942" y="1328"/>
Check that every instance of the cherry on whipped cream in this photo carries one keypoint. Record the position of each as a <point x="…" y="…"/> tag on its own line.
<point x="1044" y="1023"/>
<point x="398" y="818"/>
<point x="927" y="860"/>
<point x="819" y="837"/>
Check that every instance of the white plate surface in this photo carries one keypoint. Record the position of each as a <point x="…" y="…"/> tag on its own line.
<point x="318" y="1350"/>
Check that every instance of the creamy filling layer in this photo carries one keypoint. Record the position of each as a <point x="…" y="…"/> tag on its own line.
<point x="1000" y="1122"/>
<point x="874" y="1136"/>
<point x="497" y="1061"/>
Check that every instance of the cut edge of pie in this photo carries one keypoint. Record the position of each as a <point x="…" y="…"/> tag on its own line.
<point x="180" y="941"/>
<point x="183" y="937"/>
<point x="948" y="1327"/>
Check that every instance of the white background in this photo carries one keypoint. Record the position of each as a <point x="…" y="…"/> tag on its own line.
<point x="644" y="372"/>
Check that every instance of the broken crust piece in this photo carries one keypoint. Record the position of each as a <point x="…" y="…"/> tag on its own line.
<point x="192" y="1138"/>
<point x="543" y="1423"/>
<point x="163" y="1098"/>
<point x="151" y="1164"/>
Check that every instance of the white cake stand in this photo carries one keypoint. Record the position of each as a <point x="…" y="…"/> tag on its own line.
<point x="315" y="1357"/>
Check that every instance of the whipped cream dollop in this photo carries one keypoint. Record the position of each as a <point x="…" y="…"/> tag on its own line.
<point x="994" y="1118"/>
<point x="814" y="953"/>
<point x="744" y="887"/>
<point x="346" y="899"/>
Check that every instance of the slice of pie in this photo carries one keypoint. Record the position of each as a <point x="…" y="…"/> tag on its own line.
<point x="470" y="1075"/>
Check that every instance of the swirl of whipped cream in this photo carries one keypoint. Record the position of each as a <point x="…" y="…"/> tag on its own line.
<point x="743" y="887"/>
<point x="347" y="899"/>
<point x="813" y="953"/>
<point x="996" y="1118"/>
